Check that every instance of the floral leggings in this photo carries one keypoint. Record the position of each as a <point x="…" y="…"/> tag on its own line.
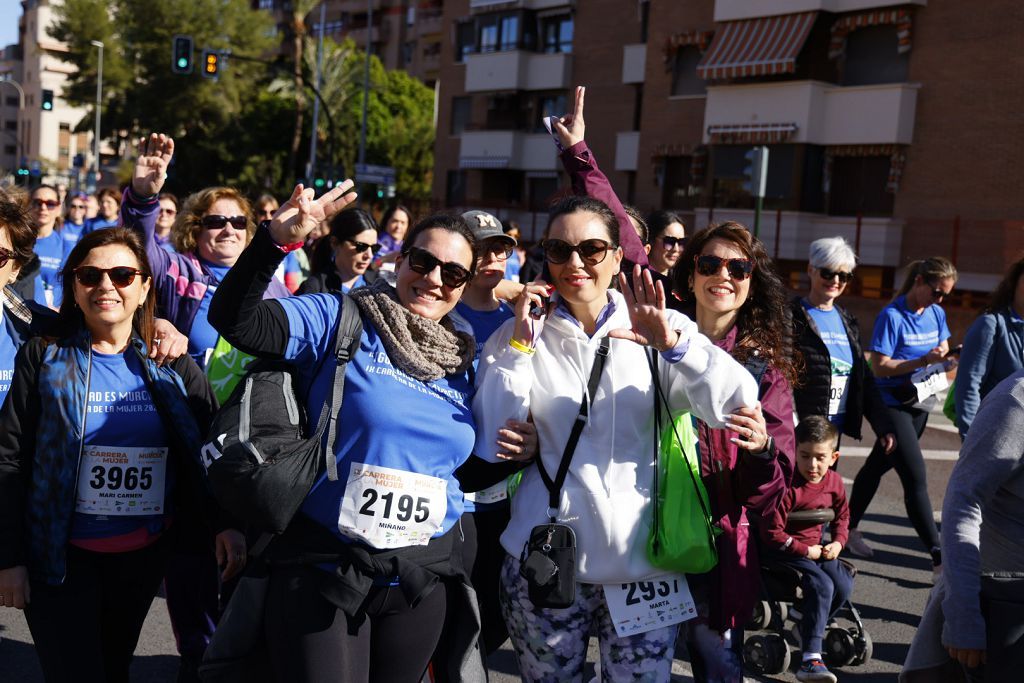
<point x="551" y="644"/>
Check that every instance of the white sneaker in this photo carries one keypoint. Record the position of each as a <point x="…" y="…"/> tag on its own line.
<point x="857" y="546"/>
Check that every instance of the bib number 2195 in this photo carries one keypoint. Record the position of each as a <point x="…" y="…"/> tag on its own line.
<point x="392" y="508"/>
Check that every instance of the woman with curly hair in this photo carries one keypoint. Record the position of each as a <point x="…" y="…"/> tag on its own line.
<point x="731" y="289"/>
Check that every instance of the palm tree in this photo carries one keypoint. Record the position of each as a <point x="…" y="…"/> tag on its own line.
<point x="301" y="9"/>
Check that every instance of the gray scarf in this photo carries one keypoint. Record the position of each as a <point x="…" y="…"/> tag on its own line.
<point x="421" y="348"/>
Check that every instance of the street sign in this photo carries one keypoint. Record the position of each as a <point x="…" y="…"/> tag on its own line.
<point x="371" y="173"/>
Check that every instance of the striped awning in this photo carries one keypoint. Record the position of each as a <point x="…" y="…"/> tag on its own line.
<point x="484" y="162"/>
<point x="843" y="26"/>
<point x="750" y="133"/>
<point x="756" y="47"/>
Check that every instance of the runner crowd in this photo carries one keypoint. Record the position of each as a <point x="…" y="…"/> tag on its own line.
<point x="497" y="466"/>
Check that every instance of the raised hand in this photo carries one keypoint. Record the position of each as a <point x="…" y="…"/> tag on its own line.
<point x="301" y="214"/>
<point x="528" y="327"/>
<point x="571" y="128"/>
<point x="155" y="154"/>
<point x="646" y="304"/>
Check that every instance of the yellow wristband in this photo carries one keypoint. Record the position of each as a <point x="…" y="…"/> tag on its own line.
<point x="522" y="348"/>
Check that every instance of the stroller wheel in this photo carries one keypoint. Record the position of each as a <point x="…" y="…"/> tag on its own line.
<point x="762" y="616"/>
<point x="864" y="648"/>
<point x="840" y="647"/>
<point x="767" y="654"/>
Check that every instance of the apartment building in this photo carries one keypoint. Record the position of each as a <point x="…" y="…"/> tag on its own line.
<point x="893" y="124"/>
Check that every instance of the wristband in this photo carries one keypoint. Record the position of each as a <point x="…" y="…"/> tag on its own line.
<point x="521" y="348"/>
<point x="286" y="248"/>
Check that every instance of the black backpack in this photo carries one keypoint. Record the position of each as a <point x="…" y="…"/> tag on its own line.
<point x="261" y="458"/>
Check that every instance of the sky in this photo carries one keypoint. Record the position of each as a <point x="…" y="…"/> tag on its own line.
<point x="10" y="12"/>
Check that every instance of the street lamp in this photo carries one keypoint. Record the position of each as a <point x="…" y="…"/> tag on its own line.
<point x="99" y="100"/>
<point x="6" y="78"/>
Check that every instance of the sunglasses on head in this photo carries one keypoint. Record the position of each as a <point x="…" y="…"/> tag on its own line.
<point x="453" y="275"/>
<point x="120" y="276"/>
<point x="5" y="256"/>
<point x="673" y="242"/>
<point x="48" y="203"/>
<point x="216" y="222"/>
<point x="591" y="252"/>
<point x="360" y="247"/>
<point x="739" y="268"/>
<point x="828" y="275"/>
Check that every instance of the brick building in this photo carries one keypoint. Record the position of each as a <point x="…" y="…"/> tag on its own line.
<point x="892" y="124"/>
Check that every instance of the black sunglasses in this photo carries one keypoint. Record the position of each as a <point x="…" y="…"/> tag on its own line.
<point x="48" y="203"/>
<point x="453" y="275"/>
<point x="739" y="268"/>
<point x="120" y="276"/>
<point x="5" y="256"/>
<point x="939" y="295"/>
<point x="828" y="275"/>
<point x="591" y="252"/>
<point x="672" y="242"/>
<point x="363" y="246"/>
<point x="216" y="222"/>
<point x="498" y="248"/>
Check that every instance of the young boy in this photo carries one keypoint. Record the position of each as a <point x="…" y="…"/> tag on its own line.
<point x="826" y="582"/>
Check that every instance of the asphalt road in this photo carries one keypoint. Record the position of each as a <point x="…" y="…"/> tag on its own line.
<point x="890" y="591"/>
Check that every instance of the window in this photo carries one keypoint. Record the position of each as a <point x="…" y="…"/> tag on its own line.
<point x="645" y="14"/>
<point x="498" y="32"/>
<point x="506" y="111"/>
<point x="11" y="125"/>
<point x="408" y="50"/>
<point x="266" y="4"/>
<point x="556" y="34"/>
<point x="858" y="186"/>
<point x="781" y="189"/>
<point x="65" y="127"/>
<point x="461" y="107"/>
<point x="871" y="57"/>
<point x="678" y="190"/>
<point x="548" y="104"/>
<point x="501" y="187"/>
<point x="488" y="32"/>
<point x="455" y="193"/>
<point x="543" y="192"/>
<point x="12" y="101"/>
<point x="465" y="39"/>
<point x="509" y="33"/>
<point x="684" y="72"/>
<point x="10" y="149"/>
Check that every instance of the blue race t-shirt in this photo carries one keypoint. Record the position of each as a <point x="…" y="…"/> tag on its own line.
<point x="98" y="223"/>
<point x="71" y="233"/>
<point x="902" y="334"/>
<point x="51" y="250"/>
<point x="202" y="337"/>
<point x="833" y="333"/>
<point x="358" y="282"/>
<point x="484" y="323"/>
<point x="8" y="351"/>
<point x="399" y="439"/>
<point x="125" y="479"/>
<point x="512" y="267"/>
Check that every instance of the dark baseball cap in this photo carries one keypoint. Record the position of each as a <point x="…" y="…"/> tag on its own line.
<point x="486" y="226"/>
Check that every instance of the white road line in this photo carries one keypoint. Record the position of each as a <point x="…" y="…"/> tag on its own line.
<point x="929" y="454"/>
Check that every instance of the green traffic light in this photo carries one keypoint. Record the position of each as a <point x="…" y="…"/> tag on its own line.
<point x="182" y="62"/>
<point x="319" y="182"/>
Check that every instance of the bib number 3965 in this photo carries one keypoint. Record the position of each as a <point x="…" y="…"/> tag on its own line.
<point x="390" y="508"/>
<point x="643" y="606"/>
<point x="121" y="480"/>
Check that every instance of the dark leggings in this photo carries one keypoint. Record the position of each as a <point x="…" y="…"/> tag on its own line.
<point x="312" y="640"/>
<point x="909" y="464"/>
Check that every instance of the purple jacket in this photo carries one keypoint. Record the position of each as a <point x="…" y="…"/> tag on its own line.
<point x="742" y="486"/>
<point x="181" y="280"/>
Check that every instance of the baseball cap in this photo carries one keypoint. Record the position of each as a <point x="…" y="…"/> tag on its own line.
<point x="486" y="226"/>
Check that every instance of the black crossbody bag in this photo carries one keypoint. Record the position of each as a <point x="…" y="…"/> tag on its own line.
<point x="548" y="562"/>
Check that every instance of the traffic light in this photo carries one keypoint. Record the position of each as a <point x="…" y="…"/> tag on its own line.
<point x="755" y="171"/>
<point x="181" y="54"/>
<point x="22" y="176"/>
<point x="47" y="100"/>
<point x="211" y="63"/>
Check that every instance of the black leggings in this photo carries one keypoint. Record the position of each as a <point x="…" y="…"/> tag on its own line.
<point x="909" y="464"/>
<point x="312" y="640"/>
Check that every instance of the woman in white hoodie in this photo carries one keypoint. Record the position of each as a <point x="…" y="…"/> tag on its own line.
<point x="541" y="366"/>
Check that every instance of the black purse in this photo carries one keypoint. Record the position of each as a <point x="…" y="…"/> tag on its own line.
<point x="548" y="562"/>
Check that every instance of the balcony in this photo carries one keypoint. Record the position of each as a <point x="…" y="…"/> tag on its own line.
<point x="482" y="5"/>
<point x="517" y="70"/>
<point x="627" y="150"/>
<point x="377" y="34"/>
<point x="429" y="22"/>
<point x="824" y="114"/>
<point x="732" y="10"/>
<point x="634" y="61"/>
<point x="507" y="149"/>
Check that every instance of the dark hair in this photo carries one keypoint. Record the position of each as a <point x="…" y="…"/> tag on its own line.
<point x="14" y="219"/>
<point x="1002" y="297"/>
<point x="344" y="226"/>
<point x="171" y="198"/>
<point x="931" y="270"/>
<point x="579" y="204"/>
<point x="70" y="317"/>
<point x="390" y="213"/>
<point x="641" y="222"/>
<point x="442" y="221"/>
<point x="108" y="192"/>
<point x="764" y="322"/>
<point x="817" y="429"/>
<point x="657" y="221"/>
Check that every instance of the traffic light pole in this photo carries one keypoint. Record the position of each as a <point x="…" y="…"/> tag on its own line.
<point x="758" y="205"/>
<point x="311" y="164"/>
<point x="99" y="108"/>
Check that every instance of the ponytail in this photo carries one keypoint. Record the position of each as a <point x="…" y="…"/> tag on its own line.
<point x="930" y="269"/>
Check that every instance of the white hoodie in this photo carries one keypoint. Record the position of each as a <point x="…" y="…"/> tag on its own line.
<point x="606" y="498"/>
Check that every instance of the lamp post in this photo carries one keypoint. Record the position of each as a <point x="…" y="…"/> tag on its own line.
<point x="99" y="101"/>
<point x="366" y="81"/>
<point x="311" y="164"/>
<point x="6" y="78"/>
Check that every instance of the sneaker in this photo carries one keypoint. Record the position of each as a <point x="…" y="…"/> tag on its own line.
<point x="857" y="546"/>
<point x="814" y="670"/>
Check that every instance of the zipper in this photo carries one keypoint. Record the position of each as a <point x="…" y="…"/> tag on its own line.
<point x="81" y="442"/>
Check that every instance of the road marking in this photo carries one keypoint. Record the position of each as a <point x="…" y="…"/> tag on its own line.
<point x="952" y="429"/>
<point x="928" y="453"/>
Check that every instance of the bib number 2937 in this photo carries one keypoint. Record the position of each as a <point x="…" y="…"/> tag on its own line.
<point x="391" y="508"/>
<point x="642" y="606"/>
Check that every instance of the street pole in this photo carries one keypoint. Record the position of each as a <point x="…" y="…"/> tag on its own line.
<point x="311" y="164"/>
<point x="99" y="108"/>
<point x="366" y="81"/>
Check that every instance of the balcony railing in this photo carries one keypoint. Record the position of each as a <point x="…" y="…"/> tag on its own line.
<point x="732" y="10"/>
<point x="508" y="149"/>
<point x="517" y="70"/>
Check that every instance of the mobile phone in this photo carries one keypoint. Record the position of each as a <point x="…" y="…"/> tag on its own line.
<point x="955" y="351"/>
<point x="538" y="311"/>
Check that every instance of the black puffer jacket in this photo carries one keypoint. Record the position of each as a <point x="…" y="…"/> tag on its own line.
<point x="811" y="397"/>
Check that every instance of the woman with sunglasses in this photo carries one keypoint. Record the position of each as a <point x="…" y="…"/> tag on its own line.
<point x="169" y="207"/>
<point x="50" y="247"/>
<point x="739" y="302"/>
<point x="910" y="334"/>
<point x="342" y="258"/>
<point x="541" y="365"/>
<point x="667" y="239"/>
<point x="837" y="382"/>
<point x="404" y="428"/>
<point x="109" y="202"/>
<point x="74" y="217"/>
<point x="99" y="467"/>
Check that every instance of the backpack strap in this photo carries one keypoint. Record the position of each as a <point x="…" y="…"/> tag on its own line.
<point x="346" y="341"/>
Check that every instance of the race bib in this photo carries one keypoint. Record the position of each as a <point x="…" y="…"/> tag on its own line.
<point x="930" y="380"/>
<point x="121" y="481"/>
<point x="389" y="508"/>
<point x="491" y="494"/>
<point x="643" y="606"/>
<point x="837" y="395"/>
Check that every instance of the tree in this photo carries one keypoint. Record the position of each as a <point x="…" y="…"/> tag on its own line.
<point x="298" y="40"/>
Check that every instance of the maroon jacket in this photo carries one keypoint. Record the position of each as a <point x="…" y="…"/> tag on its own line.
<point x="829" y="493"/>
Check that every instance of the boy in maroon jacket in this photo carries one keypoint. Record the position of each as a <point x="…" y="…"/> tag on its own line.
<point x="826" y="582"/>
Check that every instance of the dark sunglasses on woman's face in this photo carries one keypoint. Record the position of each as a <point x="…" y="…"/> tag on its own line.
<point x="216" y="222"/>
<point x="739" y="268"/>
<point x="673" y="242"/>
<point x="78" y="207"/>
<point x="938" y="294"/>
<point x="360" y="247"/>
<point x="453" y="275"/>
<point x="120" y="276"/>
<point x="829" y="275"/>
<point x="592" y="252"/>
<point x="5" y="256"/>
<point x="50" y="204"/>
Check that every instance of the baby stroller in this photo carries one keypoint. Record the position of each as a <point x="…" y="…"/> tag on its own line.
<point x="773" y="629"/>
